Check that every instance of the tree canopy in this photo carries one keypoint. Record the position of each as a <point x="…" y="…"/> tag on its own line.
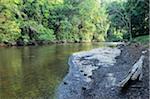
<point x="72" y="20"/>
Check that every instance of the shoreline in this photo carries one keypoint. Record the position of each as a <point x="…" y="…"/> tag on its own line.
<point x="82" y="65"/>
<point x="103" y="84"/>
<point x="50" y="43"/>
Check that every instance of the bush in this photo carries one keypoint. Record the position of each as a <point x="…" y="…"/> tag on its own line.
<point x="9" y="31"/>
<point x="116" y="35"/>
<point x="33" y="31"/>
<point x="45" y="34"/>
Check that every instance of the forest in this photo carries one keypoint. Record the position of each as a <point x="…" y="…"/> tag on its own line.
<point x="32" y="22"/>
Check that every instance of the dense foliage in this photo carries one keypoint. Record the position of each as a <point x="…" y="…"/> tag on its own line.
<point x="128" y="19"/>
<point x="34" y="21"/>
<point x="139" y="16"/>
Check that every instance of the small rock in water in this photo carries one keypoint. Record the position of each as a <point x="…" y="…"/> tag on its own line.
<point x="83" y="88"/>
<point x="65" y="83"/>
<point x="117" y="57"/>
<point x="81" y="70"/>
<point x="90" y="77"/>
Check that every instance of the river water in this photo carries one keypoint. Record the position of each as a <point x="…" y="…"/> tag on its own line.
<point x="35" y="72"/>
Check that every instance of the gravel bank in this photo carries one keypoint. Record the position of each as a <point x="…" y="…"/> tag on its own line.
<point x="96" y="73"/>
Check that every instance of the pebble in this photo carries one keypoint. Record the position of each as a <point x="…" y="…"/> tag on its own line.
<point x="83" y="88"/>
<point x="65" y="83"/>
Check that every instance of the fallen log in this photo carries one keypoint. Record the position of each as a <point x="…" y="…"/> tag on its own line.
<point x="134" y="73"/>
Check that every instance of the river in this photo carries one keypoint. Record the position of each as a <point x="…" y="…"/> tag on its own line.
<point x="36" y="71"/>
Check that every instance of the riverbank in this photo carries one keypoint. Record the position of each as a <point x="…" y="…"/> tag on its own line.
<point x="50" y="43"/>
<point x="135" y="89"/>
<point x="31" y="43"/>
<point x="140" y="40"/>
<point x="102" y="79"/>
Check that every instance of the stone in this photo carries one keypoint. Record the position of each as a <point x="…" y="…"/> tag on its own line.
<point x="65" y="83"/>
<point x="83" y="88"/>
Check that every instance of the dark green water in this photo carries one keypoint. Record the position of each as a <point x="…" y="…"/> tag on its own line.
<point x="35" y="72"/>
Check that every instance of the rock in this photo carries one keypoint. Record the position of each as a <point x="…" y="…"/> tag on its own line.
<point x="90" y="77"/>
<point x="85" y="74"/>
<point x="81" y="70"/>
<point x="83" y="88"/>
<point x="65" y="83"/>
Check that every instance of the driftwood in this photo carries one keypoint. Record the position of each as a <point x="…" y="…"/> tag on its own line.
<point x="134" y="73"/>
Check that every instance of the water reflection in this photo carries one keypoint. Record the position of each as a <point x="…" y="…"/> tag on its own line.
<point x="35" y="72"/>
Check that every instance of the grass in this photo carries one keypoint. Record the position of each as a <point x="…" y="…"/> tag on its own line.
<point x="142" y="39"/>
